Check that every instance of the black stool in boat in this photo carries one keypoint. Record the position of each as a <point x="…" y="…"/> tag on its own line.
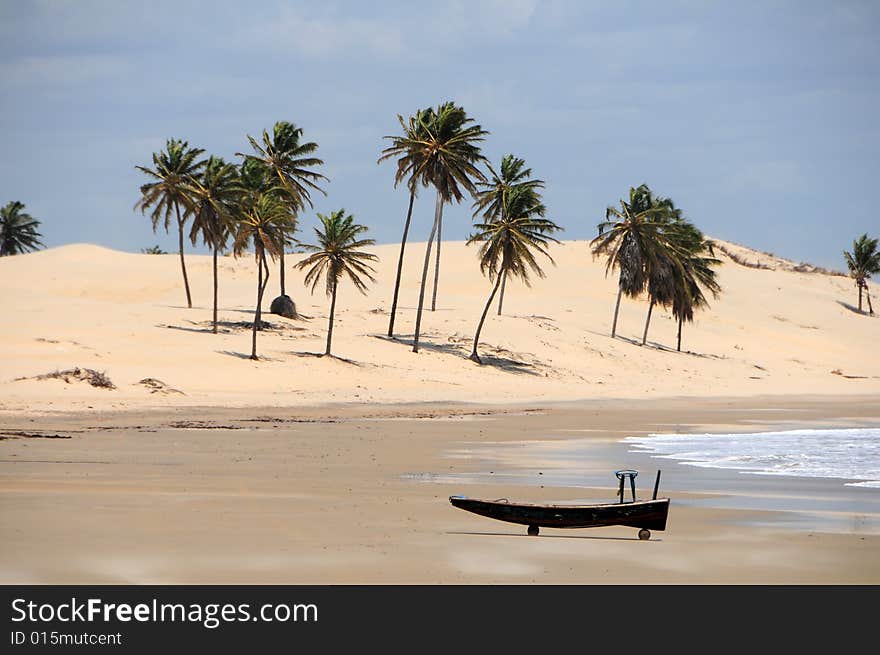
<point x="622" y="475"/>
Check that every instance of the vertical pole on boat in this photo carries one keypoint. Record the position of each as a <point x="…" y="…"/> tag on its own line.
<point x="620" y="493"/>
<point x="632" y="484"/>
<point x="656" y="485"/>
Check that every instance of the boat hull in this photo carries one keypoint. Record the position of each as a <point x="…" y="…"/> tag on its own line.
<point x="643" y="514"/>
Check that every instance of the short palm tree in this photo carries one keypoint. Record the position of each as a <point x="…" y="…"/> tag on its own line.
<point x="697" y="277"/>
<point x="509" y="245"/>
<point x="215" y="193"/>
<point x="264" y="222"/>
<point x="291" y="160"/>
<point x="337" y="255"/>
<point x="863" y="262"/>
<point x="634" y="242"/>
<point x="446" y="147"/>
<point x="172" y="172"/>
<point x="489" y="200"/>
<point x="410" y="169"/>
<point x="661" y="286"/>
<point x="256" y="180"/>
<point x="19" y="231"/>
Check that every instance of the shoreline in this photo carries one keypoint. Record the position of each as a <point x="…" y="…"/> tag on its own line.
<point x="427" y="408"/>
<point x="319" y="496"/>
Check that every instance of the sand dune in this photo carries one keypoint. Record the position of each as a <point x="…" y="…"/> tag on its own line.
<point x="772" y="332"/>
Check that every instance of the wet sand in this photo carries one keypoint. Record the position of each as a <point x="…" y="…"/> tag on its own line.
<point x="358" y="494"/>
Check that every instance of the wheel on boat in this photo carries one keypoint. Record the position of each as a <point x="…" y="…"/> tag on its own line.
<point x="644" y="534"/>
<point x="533" y="530"/>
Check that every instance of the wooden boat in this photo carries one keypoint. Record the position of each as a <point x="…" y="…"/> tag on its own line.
<point x="646" y="515"/>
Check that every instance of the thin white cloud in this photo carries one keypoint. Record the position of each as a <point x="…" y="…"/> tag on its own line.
<point x="61" y="69"/>
<point x="441" y="26"/>
<point x="321" y="36"/>
<point x="497" y="18"/>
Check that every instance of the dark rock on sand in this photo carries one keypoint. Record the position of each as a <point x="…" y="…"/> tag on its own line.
<point x="283" y="306"/>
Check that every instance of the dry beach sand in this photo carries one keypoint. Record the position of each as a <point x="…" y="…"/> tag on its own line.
<point x="300" y="469"/>
<point x="773" y="331"/>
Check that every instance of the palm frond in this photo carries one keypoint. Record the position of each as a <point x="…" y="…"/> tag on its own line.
<point x="337" y="254"/>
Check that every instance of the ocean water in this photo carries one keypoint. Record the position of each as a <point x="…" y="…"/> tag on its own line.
<point x="850" y="454"/>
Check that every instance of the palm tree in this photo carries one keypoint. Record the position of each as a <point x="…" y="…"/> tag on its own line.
<point x="664" y="271"/>
<point x="863" y="262"/>
<point x="263" y="222"/>
<point x="291" y="161"/>
<point x="661" y="286"/>
<point x="338" y="255"/>
<point x="255" y="180"/>
<point x="697" y="276"/>
<point x="173" y="170"/>
<point x="632" y="238"/>
<point x="509" y="245"/>
<point x="216" y="193"/>
<point x="490" y="199"/>
<point x="410" y="167"/>
<point x="450" y="154"/>
<point x="19" y="231"/>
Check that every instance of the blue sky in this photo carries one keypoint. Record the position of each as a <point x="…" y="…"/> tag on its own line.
<point x="758" y="118"/>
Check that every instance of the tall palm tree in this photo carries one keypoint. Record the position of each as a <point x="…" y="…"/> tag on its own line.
<point x="19" y="231"/>
<point x="509" y="245"/>
<point x="632" y="238"/>
<point x="697" y="277"/>
<point x="291" y="160"/>
<point x="337" y="255"/>
<point x="664" y="271"/>
<point x="863" y="262"/>
<point x="173" y="170"/>
<point x="216" y="193"/>
<point x="490" y="198"/>
<point x="264" y="223"/>
<point x="410" y="168"/>
<point x="450" y="156"/>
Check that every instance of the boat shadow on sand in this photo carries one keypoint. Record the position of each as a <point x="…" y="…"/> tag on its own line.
<point x="547" y="536"/>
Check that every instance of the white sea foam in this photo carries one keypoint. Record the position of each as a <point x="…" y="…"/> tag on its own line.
<point x="847" y="454"/>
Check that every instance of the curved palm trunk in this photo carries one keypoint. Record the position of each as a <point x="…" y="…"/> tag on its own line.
<point x="182" y="262"/>
<point x="868" y="296"/>
<point x="648" y="322"/>
<point x="860" y="296"/>
<point x="332" y="312"/>
<point x="265" y="280"/>
<point x="501" y="294"/>
<point x="215" y="289"/>
<point x="680" y="321"/>
<point x="616" y="310"/>
<point x="474" y="356"/>
<point x="437" y="263"/>
<point x="260" y="287"/>
<point x="412" y="197"/>
<point x="281" y="273"/>
<point x="437" y="209"/>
